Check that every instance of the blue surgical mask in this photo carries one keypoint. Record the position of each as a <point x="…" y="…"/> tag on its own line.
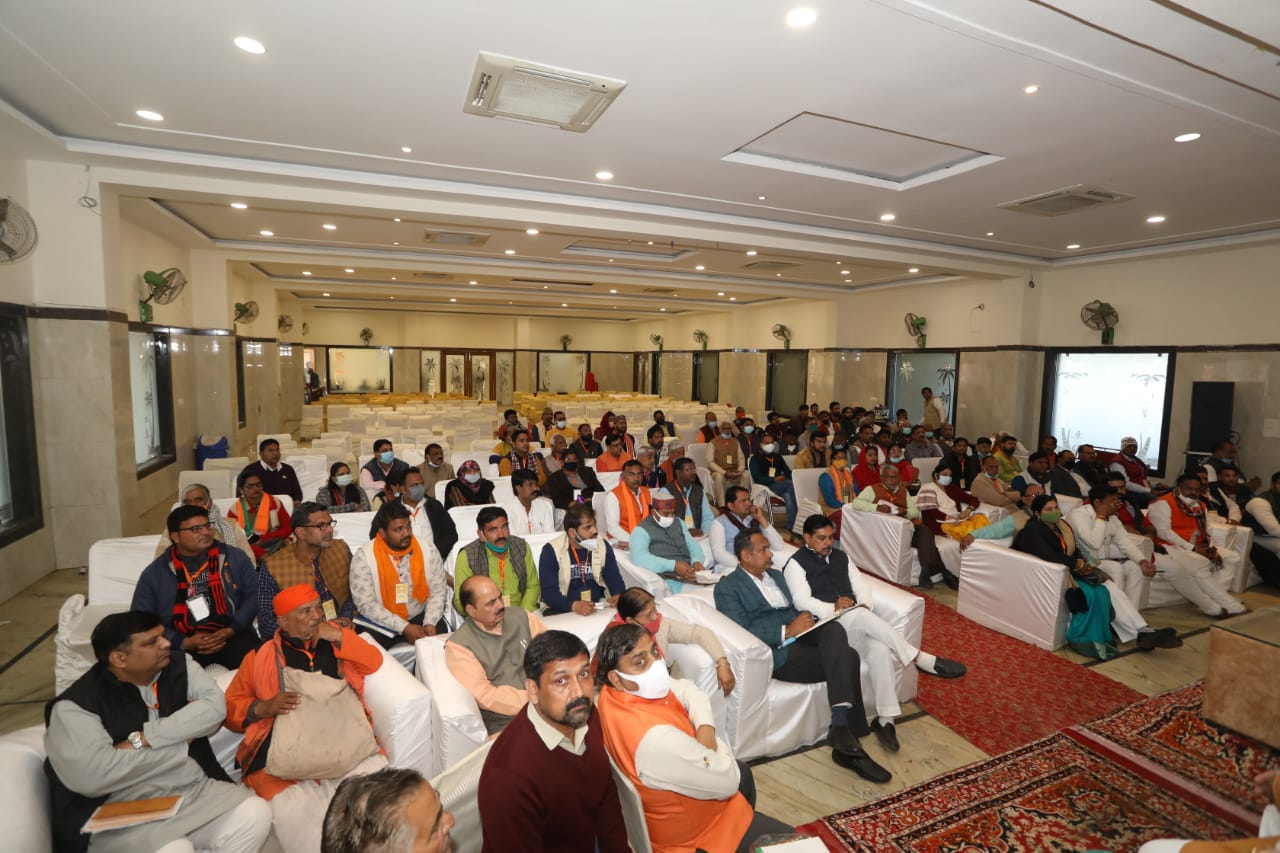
<point x="495" y="549"/>
<point x="713" y="424"/>
<point x="342" y="480"/>
<point x="748" y="429"/>
<point x="386" y="457"/>
<point x="417" y="493"/>
<point x="896" y="459"/>
<point x="944" y="480"/>
<point x="928" y="435"/>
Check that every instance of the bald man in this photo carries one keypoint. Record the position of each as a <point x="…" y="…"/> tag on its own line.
<point x="486" y="654"/>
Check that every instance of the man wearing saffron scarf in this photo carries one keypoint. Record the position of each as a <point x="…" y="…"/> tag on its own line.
<point x="626" y="506"/>
<point x="522" y="459"/>
<point x="260" y="515"/>
<point x="307" y="658"/>
<point x="398" y="581"/>
<point x="205" y="592"/>
<point x="890" y="496"/>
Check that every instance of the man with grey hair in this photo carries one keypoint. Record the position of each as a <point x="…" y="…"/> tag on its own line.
<point x="391" y="811"/>
<point x="197" y="494"/>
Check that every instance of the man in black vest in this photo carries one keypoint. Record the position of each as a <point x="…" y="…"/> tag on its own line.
<point x="692" y="506"/>
<point x="116" y="735"/>
<point x="823" y="580"/>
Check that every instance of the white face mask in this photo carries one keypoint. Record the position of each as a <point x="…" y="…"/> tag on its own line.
<point x="471" y="478"/>
<point x="588" y="544"/>
<point x="560" y="424"/>
<point x="653" y="683"/>
<point x="664" y="520"/>
<point x="433" y="464"/>
<point x="768" y="448"/>
<point x="944" y="480"/>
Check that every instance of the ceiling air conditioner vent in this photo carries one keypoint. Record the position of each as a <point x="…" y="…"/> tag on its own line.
<point x="770" y="266"/>
<point x="434" y="276"/>
<point x="455" y="238"/>
<point x="506" y="87"/>
<point x="550" y="282"/>
<point x="660" y="291"/>
<point x="1068" y="200"/>
<point x="629" y="251"/>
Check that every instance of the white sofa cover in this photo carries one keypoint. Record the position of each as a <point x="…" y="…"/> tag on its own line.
<point x="1015" y="594"/>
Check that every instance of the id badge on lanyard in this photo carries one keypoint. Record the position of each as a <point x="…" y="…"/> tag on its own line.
<point x="199" y="608"/>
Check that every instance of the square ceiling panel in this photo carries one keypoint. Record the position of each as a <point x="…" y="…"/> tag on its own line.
<point x="842" y="150"/>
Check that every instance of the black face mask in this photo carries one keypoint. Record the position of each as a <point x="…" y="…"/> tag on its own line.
<point x="571" y="466"/>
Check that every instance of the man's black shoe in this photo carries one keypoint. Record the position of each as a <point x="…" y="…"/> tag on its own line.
<point x="1147" y="640"/>
<point x="861" y="764"/>
<point x="946" y="668"/>
<point x="950" y="580"/>
<point x="842" y="740"/>
<point x="887" y="735"/>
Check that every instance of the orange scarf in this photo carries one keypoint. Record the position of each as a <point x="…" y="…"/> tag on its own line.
<point x="388" y="577"/>
<point x="631" y="511"/>
<point x="264" y="521"/>
<point x="843" y="482"/>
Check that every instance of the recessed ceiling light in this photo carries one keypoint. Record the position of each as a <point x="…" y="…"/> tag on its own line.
<point x="564" y="304"/>
<point x="532" y="232"/>
<point x="801" y="16"/>
<point x="662" y="309"/>
<point x="760" y="198"/>
<point x="546" y="287"/>
<point x="391" y="297"/>
<point x="991" y="233"/>
<point x="329" y="226"/>
<point x="914" y="269"/>
<point x="1073" y="245"/>
<point x="265" y="233"/>
<point x="700" y="267"/>
<point x="150" y="115"/>
<point x="650" y="242"/>
<point x="1186" y="137"/>
<point x="509" y="252"/>
<point x="779" y="275"/>
<point x="324" y="294"/>
<point x="613" y="290"/>
<point x="393" y="278"/>
<point x="1155" y="220"/>
<point x="848" y="281"/>
<point x="471" y="282"/>
<point x="888" y="217"/>
<point x="451" y="299"/>
<point x="395" y="244"/>
<point x="511" y="303"/>
<point x="604" y="175"/>
<point x="752" y="253"/>
<point x="844" y="272"/>
<point x="1031" y="90"/>
<point x="239" y="205"/>
<point x="306" y="272"/>
<point x="348" y="269"/>
<point x="611" y="260"/>
<point x="733" y="299"/>
<point x="720" y="293"/>
<point x="406" y="149"/>
<point x="397" y="219"/>
<point x="249" y="45"/>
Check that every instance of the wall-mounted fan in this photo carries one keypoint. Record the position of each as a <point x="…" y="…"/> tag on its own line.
<point x="1101" y="317"/>
<point x="366" y="335"/>
<point x="246" y="312"/>
<point x="701" y="337"/>
<point x="565" y="340"/>
<point x="18" y="235"/>
<point x="783" y="334"/>
<point x="915" y="328"/>
<point x="161" y="288"/>
<point x="284" y="323"/>
<point x="656" y="340"/>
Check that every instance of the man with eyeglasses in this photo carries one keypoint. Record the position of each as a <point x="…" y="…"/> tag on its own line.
<point x="197" y="494"/>
<point x="205" y="593"/>
<point x="315" y="558"/>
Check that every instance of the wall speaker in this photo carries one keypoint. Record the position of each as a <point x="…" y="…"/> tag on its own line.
<point x="1211" y="409"/>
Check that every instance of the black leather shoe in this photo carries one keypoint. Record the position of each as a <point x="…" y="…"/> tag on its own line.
<point x="1167" y="641"/>
<point x="861" y="764"/>
<point x="1147" y="640"/>
<point x="944" y="668"/>
<point x="842" y="740"/>
<point x="950" y="580"/>
<point x="926" y="579"/>
<point x="887" y="735"/>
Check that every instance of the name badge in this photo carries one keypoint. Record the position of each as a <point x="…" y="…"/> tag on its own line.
<point x="330" y="610"/>
<point x="402" y="593"/>
<point x="585" y="595"/>
<point x="198" y="607"/>
<point x="729" y="459"/>
<point x="773" y="472"/>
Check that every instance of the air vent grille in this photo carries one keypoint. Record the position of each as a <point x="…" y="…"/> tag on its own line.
<point x="551" y="281"/>
<point x="770" y="266"/>
<point x="629" y="251"/>
<point x="455" y="238"/>
<point x="1066" y="200"/>
<point x="434" y="276"/>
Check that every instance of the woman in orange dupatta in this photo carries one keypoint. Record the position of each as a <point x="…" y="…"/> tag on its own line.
<point x="261" y="515"/>
<point x="836" y="486"/>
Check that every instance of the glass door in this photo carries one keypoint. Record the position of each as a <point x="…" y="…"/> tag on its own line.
<point x="788" y="372"/>
<point x="469" y="374"/>
<point x="912" y="371"/>
<point x="706" y="377"/>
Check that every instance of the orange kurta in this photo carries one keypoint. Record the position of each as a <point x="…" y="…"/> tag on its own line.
<point x="677" y="824"/>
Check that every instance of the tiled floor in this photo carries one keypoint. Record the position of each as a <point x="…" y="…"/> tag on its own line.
<point x="797" y="788"/>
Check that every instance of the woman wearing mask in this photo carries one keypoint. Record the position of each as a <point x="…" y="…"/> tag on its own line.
<point x="638" y="607"/>
<point x="606" y="426"/>
<point x="260" y="515"/>
<point x="1046" y="536"/>
<point x="948" y="509"/>
<point x="837" y="484"/>
<point x="470" y="488"/>
<point x="867" y="471"/>
<point x="573" y="481"/>
<point x="341" y="494"/>
<point x="898" y="458"/>
<point x="770" y="470"/>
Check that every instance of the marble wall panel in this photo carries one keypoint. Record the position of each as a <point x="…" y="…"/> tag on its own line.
<point x="742" y="380"/>
<point x="613" y="371"/>
<point x="406" y="370"/>
<point x="999" y="390"/>
<point x="677" y="375"/>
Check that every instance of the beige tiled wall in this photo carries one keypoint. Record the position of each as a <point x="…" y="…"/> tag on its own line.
<point x="1255" y="401"/>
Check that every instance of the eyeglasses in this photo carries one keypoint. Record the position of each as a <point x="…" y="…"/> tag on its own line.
<point x="195" y="528"/>
<point x="321" y="526"/>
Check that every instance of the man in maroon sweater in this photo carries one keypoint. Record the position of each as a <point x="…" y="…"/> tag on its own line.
<point x="546" y="783"/>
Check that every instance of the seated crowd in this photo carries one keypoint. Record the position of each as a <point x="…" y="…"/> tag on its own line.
<point x="280" y="601"/>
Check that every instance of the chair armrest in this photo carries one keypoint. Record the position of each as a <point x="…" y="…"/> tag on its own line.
<point x="455" y="716"/>
<point x="401" y="709"/>
<point x="903" y="610"/>
<point x="634" y="575"/>
<point x="1015" y="594"/>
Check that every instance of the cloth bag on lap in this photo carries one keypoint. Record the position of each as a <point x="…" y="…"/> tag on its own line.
<point x="326" y="736"/>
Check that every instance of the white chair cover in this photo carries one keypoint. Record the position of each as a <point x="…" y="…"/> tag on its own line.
<point x="115" y="565"/>
<point x="1015" y="594"/>
<point x="878" y="543"/>
<point x="401" y="709"/>
<point x="24" y="821"/>
<point x="458" y="788"/>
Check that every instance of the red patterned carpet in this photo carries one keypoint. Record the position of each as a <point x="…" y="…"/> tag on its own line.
<point x="1052" y="796"/>
<point x="1014" y="693"/>
<point x="1168" y="736"/>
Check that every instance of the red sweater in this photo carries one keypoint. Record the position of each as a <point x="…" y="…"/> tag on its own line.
<point x="534" y="800"/>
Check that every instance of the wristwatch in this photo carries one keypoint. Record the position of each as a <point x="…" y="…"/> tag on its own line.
<point x="135" y="738"/>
